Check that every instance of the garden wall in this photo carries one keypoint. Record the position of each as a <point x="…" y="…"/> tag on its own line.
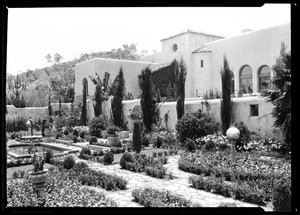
<point x="34" y="112"/>
<point x="241" y="109"/>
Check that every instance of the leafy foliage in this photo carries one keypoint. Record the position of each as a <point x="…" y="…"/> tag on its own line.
<point x="280" y="94"/>
<point x="180" y="76"/>
<point x="226" y="103"/>
<point x="282" y="196"/>
<point x="97" y="125"/>
<point x="195" y="125"/>
<point x="108" y="157"/>
<point x="150" y="197"/>
<point x="69" y="162"/>
<point x="136" y="139"/>
<point x="118" y="91"/>
<point x="147" y="98"/>
<point x="126" y="157"/>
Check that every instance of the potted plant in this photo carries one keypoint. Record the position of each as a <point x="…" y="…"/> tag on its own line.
<point x="38" y="175"/>
<point x="112" y="138"/>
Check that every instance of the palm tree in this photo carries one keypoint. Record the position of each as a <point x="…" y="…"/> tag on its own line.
<point x="280" y="94"/>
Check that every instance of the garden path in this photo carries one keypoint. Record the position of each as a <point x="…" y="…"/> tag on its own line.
<point x="178" y="185"/>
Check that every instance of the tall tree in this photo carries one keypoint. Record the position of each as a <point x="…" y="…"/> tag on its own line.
<point x="118" y="91"/>
<point x="226" y="103"/>
<point x="280" y="94"/>
<point x="147" y="98"/>
<point x="98" y="95"/>
<point x="180" y="76"/>
<point x="83" y="117"/>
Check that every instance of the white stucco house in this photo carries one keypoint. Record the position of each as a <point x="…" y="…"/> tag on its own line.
<point x="250" y="55"/>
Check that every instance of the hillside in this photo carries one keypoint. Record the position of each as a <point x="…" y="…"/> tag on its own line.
<point x="59" y="78"/>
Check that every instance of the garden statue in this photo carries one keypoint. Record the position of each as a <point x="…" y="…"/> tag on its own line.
<point x="233" y="134"/>
<point x="29" y="123"/>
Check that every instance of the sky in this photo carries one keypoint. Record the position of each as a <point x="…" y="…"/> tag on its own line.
<point x="35" y="32"/>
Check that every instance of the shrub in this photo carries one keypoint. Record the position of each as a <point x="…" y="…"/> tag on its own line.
<point x="75" y="133"/>
<point x="154" y="154"/>
<point x="282" y="194"/>
<point x="93" y="140"/>
<point x="160" y="154"/>
<point x="48" y="155"/>
<point x="75" y="139"/>
<point x="15" y="124"/>
<point x="145" y="141"/>
<point x="98" y="152"/>
<point x="81" y="134"/>
<point x="157" y="171"/>
<point x="195" y="125"/>
<point x="165" y="153"/>
<point x="108" y="158"/>
<point x="97" y="125"/>
<point x="69" y="162"/>
<point x="80" y="167"/>
<point x="112" y="129"/>
<point x="245" y="135"/>
<point x="84" y="151"/>
<point x="159" y="142"/>
<point x="13" y="135"/>
<point x="126" y="157"/>
<point x="190" y="145"/>
<point x="136" y="139"/>
<point x="66" y="132"/>
<point x="210" y="145"/>
<point x="227" y="204"/>
<point x="150" y="197"/>
<point x="58" y="135"/>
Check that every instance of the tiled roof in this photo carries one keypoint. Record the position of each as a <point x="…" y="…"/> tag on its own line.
<point x="196" y="32"/>
<point x="201" y="50"/>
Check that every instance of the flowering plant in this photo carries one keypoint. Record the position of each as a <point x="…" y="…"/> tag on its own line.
<point x="38" y="163"/>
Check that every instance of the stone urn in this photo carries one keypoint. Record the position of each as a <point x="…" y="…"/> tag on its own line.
<point x="38" y="179"/>
<point x="123" y="134"/>
<point x="112" y="141"/>
<point x="233" y="134"/>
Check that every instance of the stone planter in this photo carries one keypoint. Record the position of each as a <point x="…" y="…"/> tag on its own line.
<point x="124" y="134"/>
<point x="112" y="141"/>
<point x="38" y="179"/>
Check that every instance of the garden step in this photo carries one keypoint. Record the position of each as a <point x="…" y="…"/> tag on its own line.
<point x="33" y="137"/>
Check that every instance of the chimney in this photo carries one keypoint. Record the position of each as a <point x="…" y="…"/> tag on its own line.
<point x="246" y="30"/>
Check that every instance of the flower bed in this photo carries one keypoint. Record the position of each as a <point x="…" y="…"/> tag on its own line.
<point x="150" y="197"/>
<point x="153" y="166"/>
<point x="250" y="176"/>
<point x="90" y="177"/>
<point x="60" y="191"/>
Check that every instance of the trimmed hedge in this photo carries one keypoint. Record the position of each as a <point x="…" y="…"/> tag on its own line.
<point x="150" y="197"/>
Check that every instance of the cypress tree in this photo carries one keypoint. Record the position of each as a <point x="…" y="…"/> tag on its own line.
<point x="147" y="98"/>
<point x="226" y="103"/>
<point x="98" y="99"/>
<point x="180" y="76"/>
<point x="136" y="138"/>
<point x="118" y="91"/>
<point x="83" y="117"/>
<point x="59" y="107"/>
<point x="49" y="106"/>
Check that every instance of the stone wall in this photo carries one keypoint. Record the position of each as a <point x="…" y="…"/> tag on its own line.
<point x="34" y="112"/>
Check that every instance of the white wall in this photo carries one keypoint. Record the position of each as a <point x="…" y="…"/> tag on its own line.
<point x="241" y="110"/>
<point x="131" y="70"/>
<point x="255" y="49"/>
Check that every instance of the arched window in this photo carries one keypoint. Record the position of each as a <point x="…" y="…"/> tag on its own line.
<point x="264" y="76"/>
<point x="85" y="86"/>
<point x="246" y="79"/>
